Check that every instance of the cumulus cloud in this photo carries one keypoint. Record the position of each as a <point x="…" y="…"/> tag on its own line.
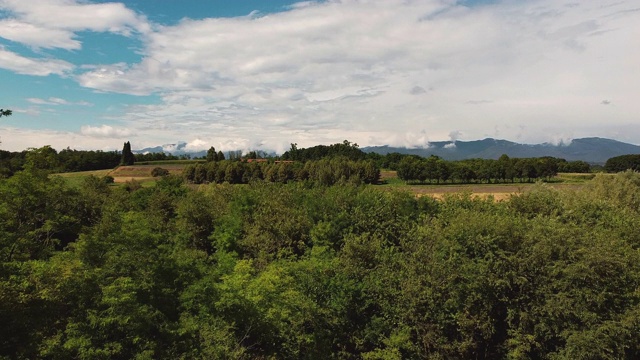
<point x="29" y="66"/>
<point x="197" y="145"/>
<point x="378" y="72"/>
<point x="17" y="139"/>
<point x="104" y="131"/>
<point x="37" y="36"/>
<point x="353" y="67"/>
<point x="53" y="23"/>
<point x="455" y="135"/>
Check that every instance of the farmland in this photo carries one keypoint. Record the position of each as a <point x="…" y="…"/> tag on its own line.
<point x="122" y="174"/>
<point x="388" y="180"/>
<point x="502" y="191"/>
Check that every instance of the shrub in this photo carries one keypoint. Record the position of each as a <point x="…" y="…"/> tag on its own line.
<point x="159" y="172"/>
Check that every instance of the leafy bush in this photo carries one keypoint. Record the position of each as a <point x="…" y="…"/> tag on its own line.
<point x="156" y="172"/>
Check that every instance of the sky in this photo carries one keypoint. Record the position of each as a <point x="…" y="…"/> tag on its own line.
<point x="262" y="74"/>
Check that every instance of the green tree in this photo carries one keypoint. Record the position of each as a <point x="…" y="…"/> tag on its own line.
<point x="42" y="159"/>
<point x="212" y="155"/>
<point x="622" y="163"/>
<point x="5" y="112"/>
<point x="127" y="156"/>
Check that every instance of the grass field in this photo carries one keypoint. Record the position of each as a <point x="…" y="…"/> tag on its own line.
<point x="76" y="178"/>
<point x="169" y="162"/>
<point x="497" y="191"/>
<point x="142" y="173"/>
<point x="122" y="174"/>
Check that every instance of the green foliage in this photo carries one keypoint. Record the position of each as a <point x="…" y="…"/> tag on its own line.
<point x="212" y="155"/>
<point x="413" y="168"/>
<point x="294" y="270"/>
<point x="37" y="215"/>
<point x="623" y="163"/>
<point x="127" y="155"/>
<point x="82" y="160"/>
<point x="42" y="159"/>
<point x="159" y="172"/>
<point x="323" y="172"/>
<point x="345" y="149"/>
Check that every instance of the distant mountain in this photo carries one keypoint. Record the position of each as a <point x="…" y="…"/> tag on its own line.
<point x="176" y="149"/>
<point x="173" y="149"/>
<point x="593" y="150"/>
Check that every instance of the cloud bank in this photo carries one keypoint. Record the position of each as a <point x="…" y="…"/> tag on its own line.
<point x="374" y="72"/>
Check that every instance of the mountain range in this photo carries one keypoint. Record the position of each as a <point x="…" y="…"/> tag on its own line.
<point x="594" y="150"/>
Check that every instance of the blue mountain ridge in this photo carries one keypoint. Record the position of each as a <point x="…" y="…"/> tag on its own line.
<point x="594" y="150"/>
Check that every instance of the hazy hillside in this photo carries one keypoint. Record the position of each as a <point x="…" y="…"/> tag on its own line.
<point x="593" y="150"/>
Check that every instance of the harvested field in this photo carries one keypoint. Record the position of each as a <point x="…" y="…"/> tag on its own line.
<point x="124" y="179"/>
<point x="142" y="173"/>
<point x="144" y="170"/>
<point x="498" y="191"/>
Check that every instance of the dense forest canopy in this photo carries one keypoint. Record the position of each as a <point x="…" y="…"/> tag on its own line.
<point x="305" y="270"/>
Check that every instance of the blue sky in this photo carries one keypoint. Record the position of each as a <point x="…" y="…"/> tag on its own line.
<point x="263" y="74"/>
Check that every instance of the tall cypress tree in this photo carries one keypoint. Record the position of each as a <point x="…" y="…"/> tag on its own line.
<point x="127" y="156"/>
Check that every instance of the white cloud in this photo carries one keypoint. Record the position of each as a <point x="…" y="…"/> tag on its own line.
<point x="16" y="139"/>
<point x="37" y="36"/>
<point x="28" y="66"/>
<point x="197" y="145"/>
<point x="53" y="23"/>
<point x="56" y="101"/>
<point x="104" y="131"/>
<point x="375" y="72"/>
<point x="323" y="72"/>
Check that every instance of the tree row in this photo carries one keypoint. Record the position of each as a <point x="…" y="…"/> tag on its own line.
<point x="436" y="170"/>
<point x="324" y="172"/>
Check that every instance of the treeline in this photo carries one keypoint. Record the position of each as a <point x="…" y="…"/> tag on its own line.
<point x="345" y="149"/>
<point x="288" y="271"/>
<point x="68" y="160"/>
<point x="10" y="162"/>
<point x="327" y="171"/>
<point x="623" y="163"/>
<point x="436" y="170"/>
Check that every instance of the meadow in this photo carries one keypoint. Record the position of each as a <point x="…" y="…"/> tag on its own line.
<point x="388" y="180"/>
